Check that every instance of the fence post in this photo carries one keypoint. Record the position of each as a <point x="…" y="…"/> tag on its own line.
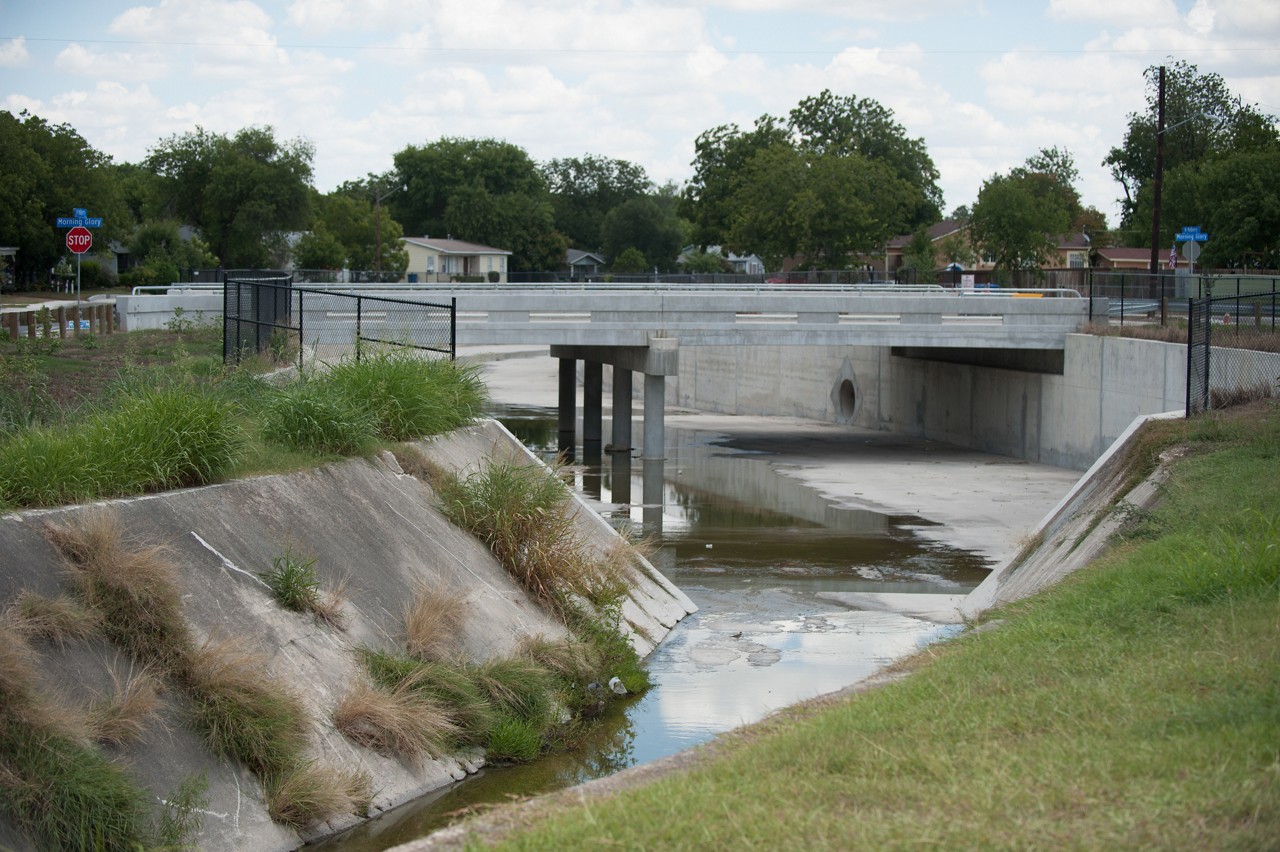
<point x="453" y="329"/>
<point x="359" y="324"/>
<point x="301" y="337"/>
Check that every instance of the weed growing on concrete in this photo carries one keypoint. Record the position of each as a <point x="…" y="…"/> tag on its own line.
<point x="132" y="590"/>
<point x="62" y="619"/>
<point x="514" y="741"/>
<point x="242" y="712"/>
<point x="55" y="788"/>
<point x="309" y="792"/>
<point x="396" y="721"/>
<point x="522" y="512"/>
<point x="294" y="583"/>
<point x="433" y="622"/>
<point x="122" y="718"/>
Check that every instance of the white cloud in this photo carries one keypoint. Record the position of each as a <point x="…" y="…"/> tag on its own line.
<point x="13" y="53"/>
<point x="1111" y="13"/>
<point x="81" y="62"/>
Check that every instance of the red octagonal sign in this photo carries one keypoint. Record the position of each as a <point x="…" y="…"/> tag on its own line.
<point x="79" y="239"/>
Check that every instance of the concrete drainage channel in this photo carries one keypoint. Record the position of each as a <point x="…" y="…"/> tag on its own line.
<point x="769" y="559"/>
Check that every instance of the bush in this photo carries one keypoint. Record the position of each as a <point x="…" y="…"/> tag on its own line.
<point x="410" y="397"/>
<point x="152" y="440"/>
<point x="312" y="416"/>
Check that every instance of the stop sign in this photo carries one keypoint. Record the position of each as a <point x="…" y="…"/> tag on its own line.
<point x="79" y="239"/>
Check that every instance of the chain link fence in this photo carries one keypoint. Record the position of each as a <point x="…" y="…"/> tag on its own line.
<point x="1233" y="350"/>
<point x="266" y="316"/>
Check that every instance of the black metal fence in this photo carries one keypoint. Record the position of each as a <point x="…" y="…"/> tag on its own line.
<point x="265" y="315"/>
<point x="1233" y="349"/>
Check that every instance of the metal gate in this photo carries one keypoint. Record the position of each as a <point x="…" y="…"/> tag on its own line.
<point x="1199" y="333"/>
<point x="1245" y="365"/>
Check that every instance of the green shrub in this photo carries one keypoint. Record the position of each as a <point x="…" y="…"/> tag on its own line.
<point x="410" y="397"/>
<point x="152" y="440"/>
<point x="514" y="740"/>
<point x="293" y="581"/>
<point x="311" y="416"/>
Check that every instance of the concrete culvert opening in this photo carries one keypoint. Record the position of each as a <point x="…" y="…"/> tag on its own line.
<point x="848" y="399"/>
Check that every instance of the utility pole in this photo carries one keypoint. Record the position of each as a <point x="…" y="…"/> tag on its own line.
<point x="377" y="228"/>
<point x="1155" y="213"/>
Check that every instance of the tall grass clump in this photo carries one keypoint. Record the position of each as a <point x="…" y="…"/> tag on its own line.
<point x="153" y="440"/>
<point x="294" y="583"/>
<point x="131" y="588"/>
<point x="242" y="712"/>
<point x="433" y="621"/>
<point x="410" y="397"/>
<point x="54" y="787"/>
<point x="395" y="721"/>
<point x="62" y="619"/>
<point x="312" y="415"/>
<point x="521" y="512"/>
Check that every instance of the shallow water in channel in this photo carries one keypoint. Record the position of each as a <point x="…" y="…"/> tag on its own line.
<point x="763" y="638"/>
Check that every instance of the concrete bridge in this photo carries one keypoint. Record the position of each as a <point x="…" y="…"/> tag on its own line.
<point x="640" y="328"/>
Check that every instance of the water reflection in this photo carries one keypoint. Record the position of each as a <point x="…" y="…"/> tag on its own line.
<point x="754" y="562"/>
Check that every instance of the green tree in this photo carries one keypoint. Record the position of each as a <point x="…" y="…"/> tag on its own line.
<point x="244" y="193"/>
<point x="1051" y="174"/>
<point x="584" y="190"/>
<point x="704" y="263"/>
<point x="319" y="249"/>
<point x="831" y="125"/>
<point x="158" y="241"/>
<point x="1236" y="199"/>
<point x="825" y="209"/>
<point x="650" y="226"/>
<point x="630" y="261"/>
<point x="920" y="256"/>
<point x="720" y="158"/>
<point x="1014" y="225"/>
<point x="47" y="171"/>
<point x="1203" y="120"/>
<point x="434" y="174"/>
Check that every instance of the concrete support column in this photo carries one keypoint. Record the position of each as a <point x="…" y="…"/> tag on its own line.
<point x="655" y="393"/>
<point x="592" y="410"/>
<point x="620" y="439"/>
<point x="568" y="405"/>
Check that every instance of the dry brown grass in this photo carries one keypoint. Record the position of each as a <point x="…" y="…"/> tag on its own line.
<point x="311" y="792"/>
<point x="131" y="586"/>
<point x="571" y="660"/>
<point x="394" y="723"/>
<point x="413" y="462"/>
<point x="433" y="623"/>
<point x="328" y="605"/>
<point x="61" y="619"/>
<point x="25" y="702"/>
<point x="243" y="711"/>
<point x="122" y="718"/>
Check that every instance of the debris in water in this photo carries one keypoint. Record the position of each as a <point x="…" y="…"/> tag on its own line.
<point x="616" y="685"/>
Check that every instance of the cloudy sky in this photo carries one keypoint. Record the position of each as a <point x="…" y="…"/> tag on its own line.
<point x="986" y="83"/>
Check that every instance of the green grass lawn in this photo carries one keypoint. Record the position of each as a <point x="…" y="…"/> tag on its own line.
<point x="1136" y="705"/>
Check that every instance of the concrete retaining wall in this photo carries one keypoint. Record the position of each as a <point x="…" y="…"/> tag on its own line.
<point x="362" y="520"/>
<point x="1066" y="420"/>
<point x="150" y="311"/>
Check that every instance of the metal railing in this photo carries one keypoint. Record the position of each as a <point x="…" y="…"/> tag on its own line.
<point x="265" y="314"/>
<point x="1233" y="349"/>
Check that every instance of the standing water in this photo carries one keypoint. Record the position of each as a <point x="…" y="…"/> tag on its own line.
<point x="757" y="552"/>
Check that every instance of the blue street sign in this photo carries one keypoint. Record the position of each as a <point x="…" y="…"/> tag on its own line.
<point x="1191" y="233"/>
<point x="79" y="220"/>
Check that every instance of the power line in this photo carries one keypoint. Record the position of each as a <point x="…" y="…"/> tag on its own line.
<point x="597" y="51"/>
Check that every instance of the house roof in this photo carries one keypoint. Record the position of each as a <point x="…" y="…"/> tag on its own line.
<point x="448" y="246"/>
<point x="576" y="256"/>
<point x="936" y="232"/>
<point x="1121" y="253"/>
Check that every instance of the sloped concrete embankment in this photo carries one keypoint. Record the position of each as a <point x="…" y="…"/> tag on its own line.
<point x="362" y="520"/>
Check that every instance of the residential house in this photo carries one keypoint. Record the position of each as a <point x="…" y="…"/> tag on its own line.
<point x="1121" y="259"/>
<point x="749" y="264"/>
<point x="895" y="250"/>
<point x="584" y="264"/>
<point x="435" y="260"/>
